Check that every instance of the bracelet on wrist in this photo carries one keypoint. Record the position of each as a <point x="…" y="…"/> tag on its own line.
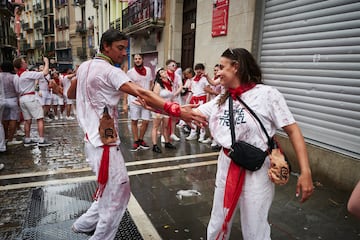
<point x="172" y="109"/>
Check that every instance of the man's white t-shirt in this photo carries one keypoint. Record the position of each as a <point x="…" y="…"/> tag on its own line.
<point x="268" y="104"/>
<point x="142" y="81"/>
<point x="197" y="87"/>
<point x="98" y="84"/>
<point x="26" y="84"/>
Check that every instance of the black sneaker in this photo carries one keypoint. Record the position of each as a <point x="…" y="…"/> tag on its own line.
<point x="136" y="146"/>
<point x="169" y="145"/>
<point x="156" y="149"/>
<point x="30" y="143"/>
<point x="143" y="145"/>
<point x="44" y="144"/>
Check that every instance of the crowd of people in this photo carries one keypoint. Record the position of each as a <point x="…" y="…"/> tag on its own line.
<point x="191" y="100"/>
<point x="39" y="94"/>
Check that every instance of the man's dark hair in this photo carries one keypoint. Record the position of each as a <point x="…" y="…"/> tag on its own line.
<point x="199" y="66"/>
<point x="7" y="66"/>
<point x="110" y="36"/>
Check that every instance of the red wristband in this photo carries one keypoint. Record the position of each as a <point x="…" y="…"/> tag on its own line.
<point x="172" y="108"/>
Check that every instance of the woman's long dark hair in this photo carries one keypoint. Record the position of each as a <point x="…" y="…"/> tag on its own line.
<point x="158" y="79"/>
<point x="248" y="69"/>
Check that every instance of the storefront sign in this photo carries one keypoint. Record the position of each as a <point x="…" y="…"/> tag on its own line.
<point x="220" y="18"/>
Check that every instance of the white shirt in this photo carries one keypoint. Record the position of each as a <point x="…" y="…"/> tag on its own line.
<point x="268" y="104"/>
<point x="98" y="84"/>
<point x="142" y="81"/>
<point x="197" y="87"/>
<point x="26" y="84"/>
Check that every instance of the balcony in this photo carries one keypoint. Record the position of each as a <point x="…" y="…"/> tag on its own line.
<point x="49" y="32"/>
<point x="37" y="7"/>
<point x="81" y="53"/>
<point x="81" y="27"/>
<point x="79" y="2"/>
<point x="27" y="27"/>
<point x="143" y="16"/>
<point x="50" y="49"/>
<point x="62" y="45"/>
<point x="39" y="43"/>
<point x="62" y="23"/>
<point x="28" y="47"/>
<point x="38" y="25"/>
<point x="48" y="11"/>
<point x="6" y="8"/>
<point x="61" y="3"/>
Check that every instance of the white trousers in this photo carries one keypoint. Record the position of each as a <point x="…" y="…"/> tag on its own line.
<point x="254" y="203"/>
<point x="105" y="214"/>
<point x="2" y="132"/>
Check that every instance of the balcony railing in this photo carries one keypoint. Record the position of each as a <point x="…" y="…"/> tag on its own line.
<point x="81" y="27"/>
<point x="81" y="53"/>
<point x="38" y="25"/>
<point x="142" y="15"/>
<point x="50" y="47"/>
<point x="39" y="43"/>
<point x="37" y="7"/>
<point x="60" y="3"/>
<point x="27" y="27"/>
<point x="62" y="44"/>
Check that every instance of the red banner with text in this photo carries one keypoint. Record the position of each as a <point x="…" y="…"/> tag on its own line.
<point x="220" y="18"/>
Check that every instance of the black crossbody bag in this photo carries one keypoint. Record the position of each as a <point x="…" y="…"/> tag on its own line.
<point x="242" y="153"/>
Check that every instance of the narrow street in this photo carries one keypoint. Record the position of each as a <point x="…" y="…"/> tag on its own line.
<point x="43" y="191"/>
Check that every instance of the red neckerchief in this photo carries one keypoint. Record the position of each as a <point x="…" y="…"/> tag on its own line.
<point x="171" y="75"/>
<point x="20" y="71"/>
<point x="197" y="77"/>
<point x="141" y="70"/>
<point x="236" y="92"/>
<point x="168" y="85"/>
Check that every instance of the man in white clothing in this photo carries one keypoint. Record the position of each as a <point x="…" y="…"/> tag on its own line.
<point x="98" y="89"/>
<point x="142" y="76"/>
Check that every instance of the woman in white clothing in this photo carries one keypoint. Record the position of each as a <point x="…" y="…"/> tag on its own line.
<point x="241" y="77"/>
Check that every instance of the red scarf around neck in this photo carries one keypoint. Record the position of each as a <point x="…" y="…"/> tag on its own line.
<point x="141" y="70"/>
<point x="21" y="71"/>
<point x="236" y="92"/>
<point x="168" y="85"/>
<point x="197" y="77"/>
<point x="171" y="75"/>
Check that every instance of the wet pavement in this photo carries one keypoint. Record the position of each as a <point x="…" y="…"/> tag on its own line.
<point x="43" y="191"/>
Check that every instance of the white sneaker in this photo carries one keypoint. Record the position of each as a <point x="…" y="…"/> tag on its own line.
<point x="174" y="137"/>
<point x="208" y="140"/>
<point x="1" y="166"/>
<point x="14" y="142"/>
<point x="61" y="116"/>
<point x="20" y="133"/>
<point x="56" y="118"/>
<point x="70" y="118"/>
<point x="162" y="139"/>
<point x="47" y="119"/>
<point x="213" y="144"/>
<point x="191" y="137"/>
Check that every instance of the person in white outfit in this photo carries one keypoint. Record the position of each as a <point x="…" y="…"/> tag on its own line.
<point x="198" y="96"/>
<point x="2" y="106"/>
<point x="241" y="76"/>
<point x="141" y="75"/>
<point x="99" y="85"/>
<point x="29" y="103"/>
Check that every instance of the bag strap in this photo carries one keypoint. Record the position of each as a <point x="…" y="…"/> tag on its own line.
<point x="270" y="140"/>
<point x="231" y="118"/>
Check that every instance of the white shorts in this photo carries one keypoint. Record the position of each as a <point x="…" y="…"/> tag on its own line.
<point x="138" y="112"/>
<point x="45" y="98"/>
<point x="57" y="100"/>
<point x="31" y="109"/>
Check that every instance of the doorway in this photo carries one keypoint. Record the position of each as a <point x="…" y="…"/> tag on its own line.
<point x="188" y="33"/>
